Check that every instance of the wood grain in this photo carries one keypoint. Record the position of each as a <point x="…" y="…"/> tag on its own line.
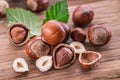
<point x="107" y="12"/>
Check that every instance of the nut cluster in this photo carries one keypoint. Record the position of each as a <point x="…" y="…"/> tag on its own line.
<point x="53" y="41"/>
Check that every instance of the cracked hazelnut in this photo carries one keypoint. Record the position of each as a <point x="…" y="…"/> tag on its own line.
<point x="83" y="15"/>
<point x="78" y="47"/>
<point x="88" y="59"/>
<point x="99" y="35"/>
<point x="36" y="48"/>
<point x="78" y="34"/>
<point x="37" y="5"/>
<point x="3" y="6"/>
<point x="53" y="33"/>
<point x="20" y="65"/>
<point x="63" y="56"/>
<point x="44" y="63"/>
<point x="18" y="34"/>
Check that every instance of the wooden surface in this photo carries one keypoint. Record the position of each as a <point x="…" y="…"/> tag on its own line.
<point x="107" y="11"/>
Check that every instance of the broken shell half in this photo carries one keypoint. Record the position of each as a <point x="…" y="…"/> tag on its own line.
<point x="88" y="59"/>
<point x="78" y="47"/>
<point x="44" y="63"/>
<point x="20" y="65"/>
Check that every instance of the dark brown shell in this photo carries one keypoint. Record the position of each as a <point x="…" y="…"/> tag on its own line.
<point x="54" y="56"/>
<point x="82" y="15"/>
<point x="26" y="38"/>
<point x="67" y="30"/>
<point x="37" y="5"/>
<point x="78" y="34"/>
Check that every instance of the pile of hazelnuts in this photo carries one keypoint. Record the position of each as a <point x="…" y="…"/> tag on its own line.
<point x="51" y="48"/>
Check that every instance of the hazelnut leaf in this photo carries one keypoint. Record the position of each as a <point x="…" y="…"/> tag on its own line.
<point x="19" y="15"/>
<point x="58" y="11"/>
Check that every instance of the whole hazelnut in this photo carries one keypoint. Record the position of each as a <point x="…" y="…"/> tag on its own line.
<point x="37" y="5"/>
<point x="3" y="6"/>
<point x="18" y="34"/>
<point x="67" y="30"/>
<point x="63" y="56"/>
<point x="78" y="34"/>
<point x="99" y="35"/>
<point x="36" y="48"/>
<point x="53" y="33"/>
<point x="83" y="15"/>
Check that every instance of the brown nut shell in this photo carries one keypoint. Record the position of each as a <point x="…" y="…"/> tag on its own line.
<point x="78" y="34"/>
<point x="53" y="33"/>
<point x="18" y="34"/>
<point x="67" y="30"/>
<point x="99" y="35"/>
<point x="63" y="56"/>
<point x="88" y="59"/>
<point x="36" y="48"/>
<point x="83" y="15"/>
<point x="37" y="5"/>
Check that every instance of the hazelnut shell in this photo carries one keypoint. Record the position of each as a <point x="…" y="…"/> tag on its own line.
<point x="83" y="15"/>
<point x="53" y="33"/>
<point x="27" y="37"/>
<point x="36" y="54"/>
<point x="88" y="59"/>
<point x="78" y="34"/>
<point x="54" y="55"/>
<point x="99" y="42"/>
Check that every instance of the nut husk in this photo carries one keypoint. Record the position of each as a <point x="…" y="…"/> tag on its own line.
<point x="88" y="59"/>
<point x="22" y="33"/>
<point x="66" y="59"/>
<point x="36" y="48"/>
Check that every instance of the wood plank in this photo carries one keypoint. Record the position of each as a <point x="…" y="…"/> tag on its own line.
<point x="108" y="68"/>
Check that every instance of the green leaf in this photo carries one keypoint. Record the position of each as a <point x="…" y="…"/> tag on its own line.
<point x="19" y="15"/>
<point x="58" y="11"/>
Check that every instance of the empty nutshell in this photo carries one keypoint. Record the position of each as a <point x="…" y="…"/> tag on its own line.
<point x="88" y="59"/>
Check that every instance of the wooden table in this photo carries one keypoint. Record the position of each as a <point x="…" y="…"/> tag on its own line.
<point x="106" y="11"/>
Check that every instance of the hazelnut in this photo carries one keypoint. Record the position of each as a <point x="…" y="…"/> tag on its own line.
<point x="44" y="63"/>
<point x="18" y="34"/>
<point x="20" y="65"/>
<point x="99" y="35"/>
<point x="37" y="5"/>
<point x="53" y="33"/>
<point x="63" y="56"/>
<point x="78" y="34"/>
<point x="67" y="30"/>
<point x="3" y="6"/>
<point x="78" y="47"/>
<point x="83" y="15"/>
<point x="88" y="59"/>
<point x="36" y="48"/>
